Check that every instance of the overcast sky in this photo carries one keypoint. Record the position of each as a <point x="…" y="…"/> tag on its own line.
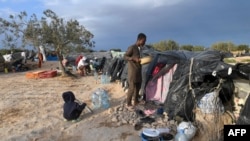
<point x="116" y="23"/>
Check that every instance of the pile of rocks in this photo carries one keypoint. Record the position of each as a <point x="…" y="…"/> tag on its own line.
<point x="122" y="115"/>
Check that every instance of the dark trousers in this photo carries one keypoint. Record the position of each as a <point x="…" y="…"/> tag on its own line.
<point x="133" y="93"/>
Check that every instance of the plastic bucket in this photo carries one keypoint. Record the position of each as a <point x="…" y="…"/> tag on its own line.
<point x="147" y="138"/>
<point x="166" y="137"/>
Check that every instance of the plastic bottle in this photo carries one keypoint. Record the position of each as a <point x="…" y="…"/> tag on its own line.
<point x="105" y="99"/>
<point x="96" y="100"/>
<point x="96" y="76"/>
<point x="108" y="79"/>
<point x="103" y="79"/>
<point x="180" y="136"/>
<point x="74" y="68"/>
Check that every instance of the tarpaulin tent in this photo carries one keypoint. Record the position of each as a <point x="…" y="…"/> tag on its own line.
<point x="185" y="77"/>
<point x="197" y="73"/>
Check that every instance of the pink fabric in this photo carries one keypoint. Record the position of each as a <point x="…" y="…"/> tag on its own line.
<point x="167" y="79"/>
<point x="158" y="90"/>
<point x="149" y="112"/>
<point x="150" y="90"/>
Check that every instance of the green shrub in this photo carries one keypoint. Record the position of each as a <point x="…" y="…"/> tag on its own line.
<point x="246" y="60"/>
<point x="229" y="60"/>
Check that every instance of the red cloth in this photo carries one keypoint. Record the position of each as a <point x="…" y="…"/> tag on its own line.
<point x="78" y="59"/>
<point x="157" y="68"/>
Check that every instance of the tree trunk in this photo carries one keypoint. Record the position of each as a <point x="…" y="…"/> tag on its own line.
<point x="61" y="67"/>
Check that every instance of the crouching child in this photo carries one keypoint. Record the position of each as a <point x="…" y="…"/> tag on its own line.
<point x="71" y="109"/>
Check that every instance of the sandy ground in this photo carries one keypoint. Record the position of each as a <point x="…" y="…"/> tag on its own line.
<point x="31" y="109"/>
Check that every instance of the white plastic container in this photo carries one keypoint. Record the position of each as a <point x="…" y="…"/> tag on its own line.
<point x="188" y="128"/>
<point x="180" y="136"/>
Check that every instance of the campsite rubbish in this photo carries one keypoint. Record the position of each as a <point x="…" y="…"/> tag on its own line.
<point x="211" y="103"/>
<point x="96" y="76"/>
<point x="163" y="130"/>
<point x="96" y="100"/>
<point x="138" y="126"/>
<point x="166" y="137"/>
<point x="160" y="111"/>
<point x="150" y="134"/>
<point x="100" y="98"/>
<point x="147" y="120"/>
<point x="164" y="134"/>
<point x="74" y="68"/>
<point x="188" y="128"/>
<point x="104" y="99"/>
<point x="140" y="113"/>
<point x="180" y="136"/>
<point x="105" y="78"/>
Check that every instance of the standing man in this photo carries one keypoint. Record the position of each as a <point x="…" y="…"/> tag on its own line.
<point x="132" y="55"/>
<point x="40" y="59"/>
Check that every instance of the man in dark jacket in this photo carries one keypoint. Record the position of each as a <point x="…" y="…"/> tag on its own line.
<point x="71" y="109"/>
<point x="132" y="55"/>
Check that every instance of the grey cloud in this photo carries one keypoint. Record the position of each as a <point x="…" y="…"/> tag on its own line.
<point x="197" y="22"/>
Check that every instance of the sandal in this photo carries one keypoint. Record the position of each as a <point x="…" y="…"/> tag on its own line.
<point x="130" y="108"/>
<point x="142" y="102"/>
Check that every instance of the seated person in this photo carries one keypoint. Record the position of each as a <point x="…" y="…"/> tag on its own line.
<point x="71" y="109"/>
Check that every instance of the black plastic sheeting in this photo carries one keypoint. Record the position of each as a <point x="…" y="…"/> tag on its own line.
<point x="243" y="70"/>
<point x="117" y="72"/>
<point x="244" y="118"/>
<point x="207" y="69"/>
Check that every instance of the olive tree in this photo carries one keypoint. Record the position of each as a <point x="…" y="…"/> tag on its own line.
<point x="50" y="31"/>
<point x="12" y="30"/>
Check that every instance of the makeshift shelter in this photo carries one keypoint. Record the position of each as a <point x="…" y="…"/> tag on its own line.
<point x="195" y="74"/>
<point x="180" y="79"/>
